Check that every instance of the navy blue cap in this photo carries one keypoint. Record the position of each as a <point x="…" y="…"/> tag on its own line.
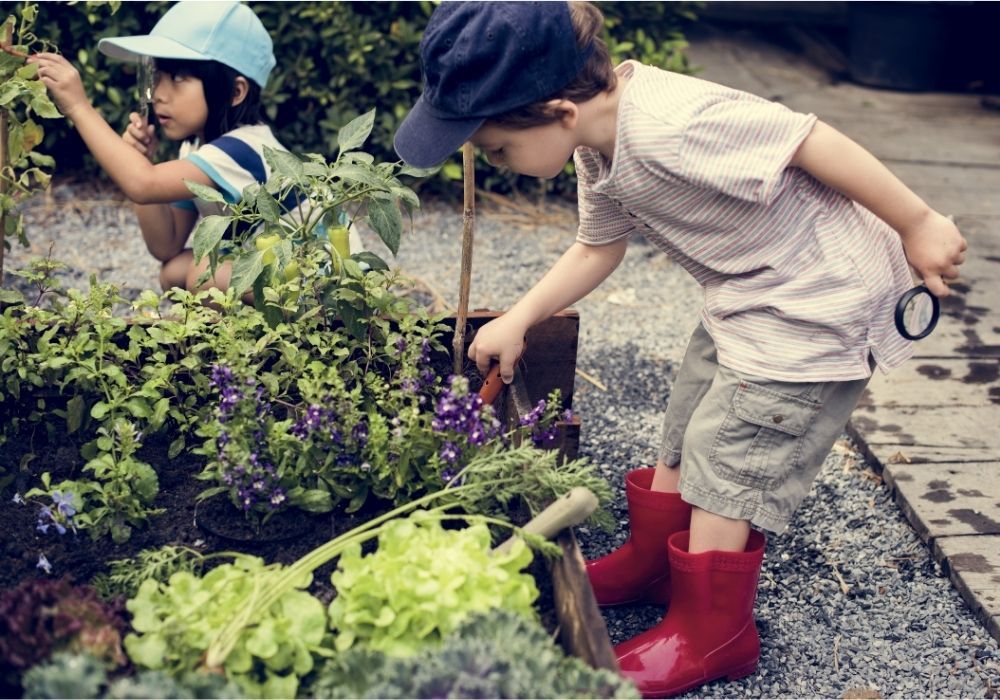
<point x="481" y="60"/>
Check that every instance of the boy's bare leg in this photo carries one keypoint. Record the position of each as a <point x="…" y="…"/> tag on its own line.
<point x="220" y="281"/>
<point x="666" y="477"/>
<point x="710" y="532"/>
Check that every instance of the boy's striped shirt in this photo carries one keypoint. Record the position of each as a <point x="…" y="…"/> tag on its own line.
<point x="800" y="282"/>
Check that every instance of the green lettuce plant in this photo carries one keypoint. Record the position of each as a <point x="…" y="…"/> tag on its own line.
<point x="174" y="623"/>
<point x="423" y="581"/>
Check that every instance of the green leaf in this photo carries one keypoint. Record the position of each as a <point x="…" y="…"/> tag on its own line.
<point x="43" y="107"/>
<point x="176" y="447"/>
<point x="315" y="501"/>
<point x="99" y="410"/>
<point x="283" y="163"/>
<point x="268" y="207"/>
<point x="373" y="261"/>
<point x="246" y="268"/>
<point x="74" y="413"/>
<point x="138" y="408"/>
<point x="208" y="233"/>
<point x="356" y="132"/>
<point x="387" y="221"/>
<point x="208" y="194"/>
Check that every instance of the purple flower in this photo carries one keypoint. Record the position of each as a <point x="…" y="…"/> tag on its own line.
<point x="450" y="452"/>
<point x="64" y="503"/>
<point x="44" y="564"/>
<point x="18" y="500"/>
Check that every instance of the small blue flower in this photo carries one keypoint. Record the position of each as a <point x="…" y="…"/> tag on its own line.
<point x="44" y="564"/>
<point x="18" y="500"/>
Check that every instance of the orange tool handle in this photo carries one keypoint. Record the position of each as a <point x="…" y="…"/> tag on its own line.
<point x="492" y="385"/>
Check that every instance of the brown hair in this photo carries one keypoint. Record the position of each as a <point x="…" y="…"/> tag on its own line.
<point x="596" y="76"/>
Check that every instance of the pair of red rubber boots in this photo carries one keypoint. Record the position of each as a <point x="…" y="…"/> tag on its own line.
<point x="708" y="631"/>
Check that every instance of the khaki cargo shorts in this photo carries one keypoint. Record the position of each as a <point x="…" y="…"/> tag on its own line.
<point x="749" y="447"/>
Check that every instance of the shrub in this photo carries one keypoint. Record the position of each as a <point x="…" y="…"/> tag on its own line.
<point x="335" y="61"/>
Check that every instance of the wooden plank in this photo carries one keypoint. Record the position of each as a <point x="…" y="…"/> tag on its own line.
<point x="973" y="563"/>
<point x="935" y="381"/>
<point x="582" y="630"/>
<point x="934" y="433"/>
<point x="946" y="500"/>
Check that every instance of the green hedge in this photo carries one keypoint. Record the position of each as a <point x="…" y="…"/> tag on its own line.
<point x="336" y="60"/>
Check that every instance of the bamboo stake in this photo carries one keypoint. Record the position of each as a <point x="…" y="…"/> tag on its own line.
<point x="465" y="281"/>
<point x="4" y="123"/>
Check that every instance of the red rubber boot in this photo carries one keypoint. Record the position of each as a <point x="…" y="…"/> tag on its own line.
<point x="708" y="631"/>
<point x="639" y="571"/>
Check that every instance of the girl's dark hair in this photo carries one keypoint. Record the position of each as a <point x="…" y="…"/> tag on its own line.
<point x="596" y="76"/>
<point x="218" y="81"/>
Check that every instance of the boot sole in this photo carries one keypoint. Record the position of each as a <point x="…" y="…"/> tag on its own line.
<point x="733" y="675"/>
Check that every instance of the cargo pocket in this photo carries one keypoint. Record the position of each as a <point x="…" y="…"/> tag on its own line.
<point x="760" y="440"/>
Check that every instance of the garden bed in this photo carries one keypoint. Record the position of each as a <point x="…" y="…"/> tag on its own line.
<point x="215" y="525"/>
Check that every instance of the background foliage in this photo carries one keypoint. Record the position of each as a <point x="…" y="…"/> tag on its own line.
<point x="336" y="61"/>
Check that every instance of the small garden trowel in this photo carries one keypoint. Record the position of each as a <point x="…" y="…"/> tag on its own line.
<point x="144" y="75"/>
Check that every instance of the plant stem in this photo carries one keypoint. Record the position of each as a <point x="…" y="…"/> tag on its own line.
<point x="465" y="280"/>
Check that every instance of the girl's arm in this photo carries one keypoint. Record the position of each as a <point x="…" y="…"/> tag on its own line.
<point x="165" y="228"/>
<point x="578" y="272"/>
<point x="933" y="245"/>
<point x="140" y="180"/>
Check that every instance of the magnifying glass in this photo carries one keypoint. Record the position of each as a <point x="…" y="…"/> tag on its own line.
<point x="917" y="312"/>
<point x="144" y="75"/>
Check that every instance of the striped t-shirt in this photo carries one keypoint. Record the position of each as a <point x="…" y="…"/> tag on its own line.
<point x="800" y="282"/>
<point x="233" y="161"/>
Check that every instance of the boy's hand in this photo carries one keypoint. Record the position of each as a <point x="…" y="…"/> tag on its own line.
<point x="62" y="80"/>
<point x="501" y="338"/>
<point x="934" y="248"/>
<point x="140" y="135"/>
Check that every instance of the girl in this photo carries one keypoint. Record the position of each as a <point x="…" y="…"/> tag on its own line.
<point x="212" y="62"/>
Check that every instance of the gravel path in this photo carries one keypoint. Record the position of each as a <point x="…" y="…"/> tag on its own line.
<point x="851" y="604"/>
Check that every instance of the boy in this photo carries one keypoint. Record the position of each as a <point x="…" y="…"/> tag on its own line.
<point x="799" y="237"/>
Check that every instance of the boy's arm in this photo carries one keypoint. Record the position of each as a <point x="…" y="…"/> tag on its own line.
<point x="140" y="180"/>
<point x="932" y="244"/>
<point x="580" y="270"/>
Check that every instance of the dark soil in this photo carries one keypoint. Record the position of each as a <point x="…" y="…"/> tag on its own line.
<point x="218" y="525"/>
<point x="209" y="526"/>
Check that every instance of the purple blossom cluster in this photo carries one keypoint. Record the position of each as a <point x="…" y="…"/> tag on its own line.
<point x="323" y="425"/>
<point x="58" y="518"/>
<point x="254" y="479"/>
<point x="543" y="433"/>
<point x="425" y="376"/>
<point x="464" y="415"/>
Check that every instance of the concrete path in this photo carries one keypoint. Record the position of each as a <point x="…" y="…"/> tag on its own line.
<point x="933" y="426"/>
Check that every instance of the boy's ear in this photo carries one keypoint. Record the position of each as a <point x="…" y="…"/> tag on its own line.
<point x="240" y="89"/>
<point x="566" y="111"/>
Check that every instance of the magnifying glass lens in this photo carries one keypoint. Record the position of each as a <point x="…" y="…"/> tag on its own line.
<point x="918" y="314"/>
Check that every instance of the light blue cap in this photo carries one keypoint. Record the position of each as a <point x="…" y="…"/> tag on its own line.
<point x="192" y="30"/>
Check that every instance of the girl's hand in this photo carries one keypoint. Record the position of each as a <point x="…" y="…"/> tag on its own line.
<point x="934" y="248"/>
<point x="140" y="135"/>
<point x="501" y="338"/>
<point x="62" y="80"/>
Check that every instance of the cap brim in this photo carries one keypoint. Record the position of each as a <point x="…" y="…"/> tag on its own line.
<point x="131" y="48"/>
<point x="424" y="140"/>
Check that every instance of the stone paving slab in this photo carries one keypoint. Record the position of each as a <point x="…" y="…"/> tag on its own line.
<point x="932" y="426"/>
<point x="974" y="566"/>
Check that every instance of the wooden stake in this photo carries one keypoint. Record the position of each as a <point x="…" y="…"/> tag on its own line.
<point x="3" y="184"/>
<point x="465" y="281"/>
<point x="4" y="123"/>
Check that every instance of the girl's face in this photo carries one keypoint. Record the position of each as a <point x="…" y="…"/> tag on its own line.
<point x="179" y="103"/>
